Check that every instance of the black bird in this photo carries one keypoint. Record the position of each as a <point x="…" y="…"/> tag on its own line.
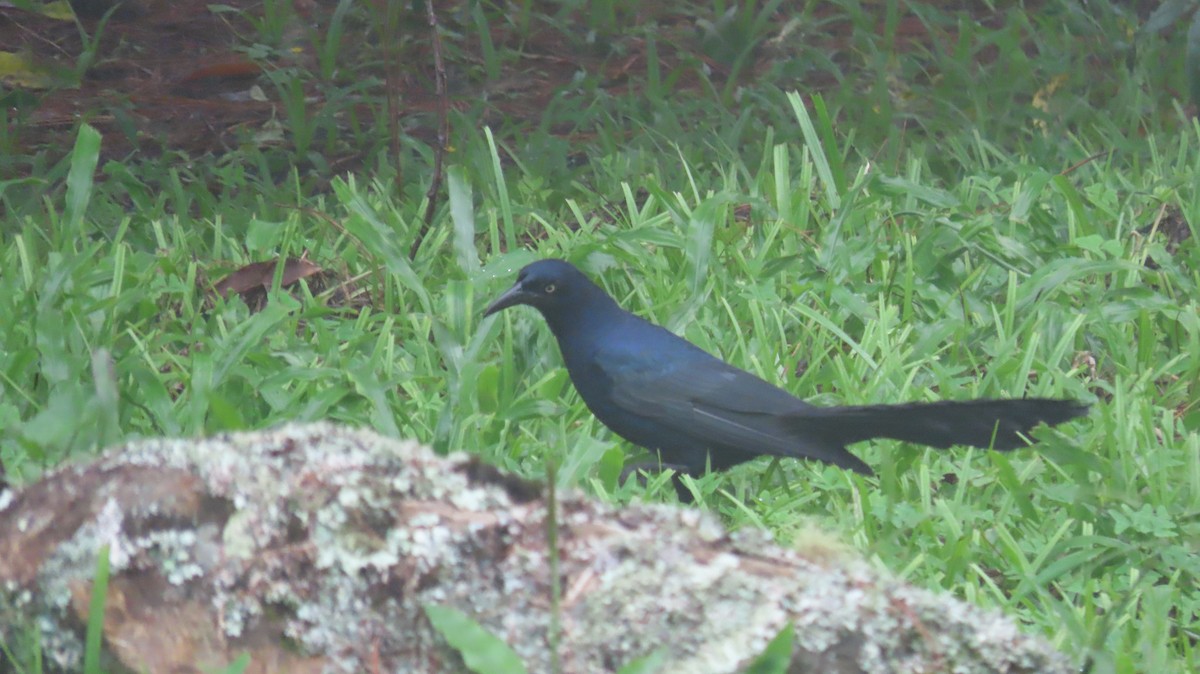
<point x="660" y="391"/>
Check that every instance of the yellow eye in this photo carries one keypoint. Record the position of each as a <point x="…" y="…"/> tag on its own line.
<point x="549" y="289"/>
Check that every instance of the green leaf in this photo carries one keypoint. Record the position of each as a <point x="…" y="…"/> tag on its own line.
<point x="647" y="664"/>
<point x="482" y="651"/>
<point x="237" y="666"/>
<point x="104" y="379"/>
<point x="1165" y="15"/>
<point x="610" y="467"/>
<point x="777" y="656"/>
<point x="79" y="180"/>
<point x="816" y="151"/>
<point x="95" y="623"/>
<point x="505" y="266"/>
<point x="462" y="214"/>
<point x="487" y="389"/>
<point x="585" y="455"/>
<point x="381" y="238"/>
<point x="700" y="227"/>
<point x="1031" y="189"/>
<point x="933" y="196"/>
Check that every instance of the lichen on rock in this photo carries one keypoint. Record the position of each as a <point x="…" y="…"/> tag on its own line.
<point x="315" y="548"/>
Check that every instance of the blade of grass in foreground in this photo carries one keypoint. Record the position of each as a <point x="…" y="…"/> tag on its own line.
<point x="482" y="651"/>
<point x="95" y="623"/>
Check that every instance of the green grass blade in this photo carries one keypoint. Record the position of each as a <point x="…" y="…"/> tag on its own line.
<point x="84" y="157"/>
<point x="482" y="651"/>
<point x="816" y="150"/>
<point x="462" y="214"/>
<point x="95" y="623"/>
<point x="776" y="658"/>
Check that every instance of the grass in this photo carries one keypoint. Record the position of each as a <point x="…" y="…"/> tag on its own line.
<point x="928" y="225"/>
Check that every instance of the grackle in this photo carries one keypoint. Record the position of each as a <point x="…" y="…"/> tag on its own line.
<point x="661" y="392"/>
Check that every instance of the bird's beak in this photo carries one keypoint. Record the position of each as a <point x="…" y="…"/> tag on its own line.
<point x="511" y="298"/>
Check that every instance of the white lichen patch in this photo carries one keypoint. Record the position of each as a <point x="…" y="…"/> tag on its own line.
<point x="338" y="539"/>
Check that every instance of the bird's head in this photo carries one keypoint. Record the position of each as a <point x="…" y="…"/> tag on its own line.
<point x="550" y="286"/>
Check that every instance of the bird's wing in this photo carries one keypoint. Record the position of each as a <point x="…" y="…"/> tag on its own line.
<point x="708" y="402"/>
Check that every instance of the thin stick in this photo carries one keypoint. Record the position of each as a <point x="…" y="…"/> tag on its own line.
<point x="392" y="84"/>
<point x="555" y="627"/>
<point x="443" y="132"/>
<point x="1092" y="158"/>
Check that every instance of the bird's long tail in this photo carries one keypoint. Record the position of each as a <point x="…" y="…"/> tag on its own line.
<point x="996" y="424"/>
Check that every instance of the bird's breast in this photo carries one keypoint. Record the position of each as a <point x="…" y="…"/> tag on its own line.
<point x="598" y="372"/>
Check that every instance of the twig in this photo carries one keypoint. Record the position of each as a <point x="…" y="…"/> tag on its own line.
<point x="1090" y="159"/>
<point x="443" y="131"/>
<point x="392" y="83"/>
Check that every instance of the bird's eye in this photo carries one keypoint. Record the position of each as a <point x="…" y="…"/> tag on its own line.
<point x="550" y="288"/>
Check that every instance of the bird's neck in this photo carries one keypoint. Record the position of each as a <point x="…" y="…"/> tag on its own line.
<point x="586" y="318"/>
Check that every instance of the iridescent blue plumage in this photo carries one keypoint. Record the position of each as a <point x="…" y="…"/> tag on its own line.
<point x="663" y="393"/>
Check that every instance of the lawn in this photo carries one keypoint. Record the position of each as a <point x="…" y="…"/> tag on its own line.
<point x="864" y="202"/>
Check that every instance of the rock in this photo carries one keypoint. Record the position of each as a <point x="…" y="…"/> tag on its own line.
<point x="315" y="548"/>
